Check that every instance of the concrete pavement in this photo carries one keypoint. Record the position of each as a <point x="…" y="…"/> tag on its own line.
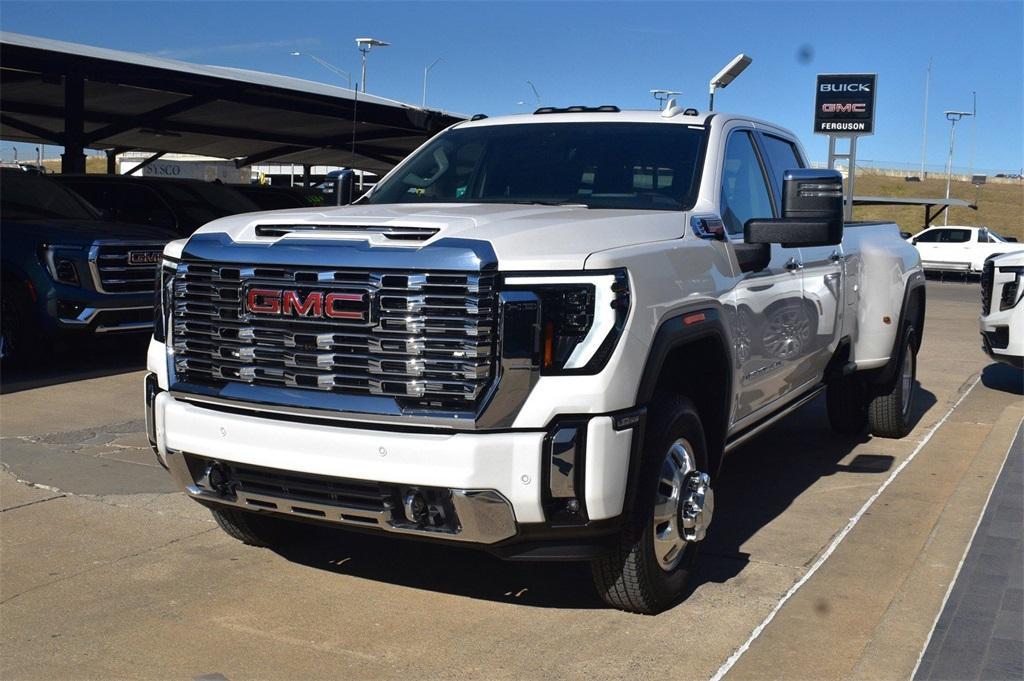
<point x="105" y="573"/>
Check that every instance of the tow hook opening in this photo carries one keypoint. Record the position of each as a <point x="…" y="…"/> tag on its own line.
<point x="217" y="478"/>
<point x="698" y="506"/>
<point x="424" y="507"/>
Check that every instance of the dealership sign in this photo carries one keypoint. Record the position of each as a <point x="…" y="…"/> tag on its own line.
<point x="844" y="104"/>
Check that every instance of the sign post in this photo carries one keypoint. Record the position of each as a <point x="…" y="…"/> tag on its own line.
<point x="844" y="107"/>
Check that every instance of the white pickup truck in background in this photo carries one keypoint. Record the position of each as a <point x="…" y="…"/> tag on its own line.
<point x="958" y="248"/>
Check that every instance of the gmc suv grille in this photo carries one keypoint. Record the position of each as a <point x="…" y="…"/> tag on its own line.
<point x="426" y="338"/>
<point x="987" y="278"/>
<point x="119" y="267"/>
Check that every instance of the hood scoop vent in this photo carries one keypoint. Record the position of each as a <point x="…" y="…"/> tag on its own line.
<point x="395" y="233"/>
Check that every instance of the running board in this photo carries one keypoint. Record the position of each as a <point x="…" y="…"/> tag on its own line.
<point x="755" y="429"/>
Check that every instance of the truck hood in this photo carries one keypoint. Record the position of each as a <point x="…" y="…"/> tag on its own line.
<point x="524" y="237"/>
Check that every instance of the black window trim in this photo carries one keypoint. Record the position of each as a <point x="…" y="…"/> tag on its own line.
<point x="755" y="143"/>
<point x="763" y="148"/>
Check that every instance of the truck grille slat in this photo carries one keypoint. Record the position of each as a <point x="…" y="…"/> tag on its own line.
<point x="430" y="342"/>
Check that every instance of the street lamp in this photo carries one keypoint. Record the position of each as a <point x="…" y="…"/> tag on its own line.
<point x="426" y="70"/>
<point x="727" y="75"/>
<point x="952" y="117"/>
<point x="663" y="96"/>
<point x="364" y="45"/>
<point x="327" y="65"/>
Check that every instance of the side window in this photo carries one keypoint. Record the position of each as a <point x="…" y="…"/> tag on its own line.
<point x="955" y="236"/>
<point x="744" y="191"/>
<point x="929" y="237"/>
<point x="782" y="156"/>
<point x="983" y="237"/>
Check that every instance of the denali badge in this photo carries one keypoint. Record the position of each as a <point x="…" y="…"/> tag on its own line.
<point x="143" y="257"/>
<point x="341" y="305"/>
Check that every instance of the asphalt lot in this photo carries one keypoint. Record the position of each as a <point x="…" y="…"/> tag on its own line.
<point x="829" y="557"/>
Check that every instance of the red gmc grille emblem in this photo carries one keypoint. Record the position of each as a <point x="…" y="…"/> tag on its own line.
<point x="341" y="305"/>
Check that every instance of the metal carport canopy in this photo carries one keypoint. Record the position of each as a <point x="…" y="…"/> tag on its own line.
<point x="943" y="204"/>
<point x="77" y="96"/>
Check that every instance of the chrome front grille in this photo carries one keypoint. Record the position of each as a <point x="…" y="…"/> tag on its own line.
<point x="987" y="281"/>
<point x="125" y="267"/>
<point x="426" y="338"/>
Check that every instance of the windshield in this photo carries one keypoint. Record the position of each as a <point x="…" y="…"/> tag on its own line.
<point x="647" y="166"/>
<point x="27" y="196"/>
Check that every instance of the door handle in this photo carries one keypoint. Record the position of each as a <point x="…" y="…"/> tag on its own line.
<point x="794" y="265"/>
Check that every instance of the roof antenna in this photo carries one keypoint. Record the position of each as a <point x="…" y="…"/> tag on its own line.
<point x="663" y="96"/>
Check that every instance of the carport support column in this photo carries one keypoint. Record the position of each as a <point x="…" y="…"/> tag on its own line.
<point x="111" y="161"/>
<point x="305" y="175"/>
<point x="73" y="158"/>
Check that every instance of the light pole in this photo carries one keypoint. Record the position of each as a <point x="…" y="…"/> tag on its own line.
<point x="364" y="45"/>
<point x="535" y="93"/>
<point x="952" y="117"/>
<point x="726" y="76"/>
<point x="327" y="65"/>
<point x="426" y="70"/>
<point x="663" y="96"/>
<point x="924" y="140"/>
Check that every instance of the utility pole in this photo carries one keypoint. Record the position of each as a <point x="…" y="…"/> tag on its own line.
<point x="924" y="142"/>
<point x="974" y="125"/>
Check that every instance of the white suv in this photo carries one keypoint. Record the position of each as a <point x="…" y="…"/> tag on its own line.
<point x="1002" y="313"/>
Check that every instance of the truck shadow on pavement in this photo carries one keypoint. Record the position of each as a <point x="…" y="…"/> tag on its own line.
<point x="759" y="482"/>
<point x="77" y="360"/>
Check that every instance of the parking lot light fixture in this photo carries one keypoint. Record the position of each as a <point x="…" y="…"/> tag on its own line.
<point x="327" y="65"/>
<point x="726" y="76"/>
<point x="426" y="71"/>
<point x="952" y="117"/>
<point x="364" y="45"/>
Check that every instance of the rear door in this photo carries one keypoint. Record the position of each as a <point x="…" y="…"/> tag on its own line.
<point x="822" y="276"/>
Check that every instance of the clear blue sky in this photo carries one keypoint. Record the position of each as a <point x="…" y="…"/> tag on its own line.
<point x="610" y="52"/>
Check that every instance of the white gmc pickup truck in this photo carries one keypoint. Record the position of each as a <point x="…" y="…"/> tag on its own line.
<point x="539" y="335"/>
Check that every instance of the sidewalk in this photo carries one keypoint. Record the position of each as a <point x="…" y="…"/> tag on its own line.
<point x="980" y="634"/>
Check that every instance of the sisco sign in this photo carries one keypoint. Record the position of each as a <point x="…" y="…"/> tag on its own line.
<point x="844" y="104"/>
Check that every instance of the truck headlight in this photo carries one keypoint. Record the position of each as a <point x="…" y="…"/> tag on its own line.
<point x="581" y="318"/>
<point x="60" y="263"/>
<point x="163" y="299"/>
<point x="1011" y="289"/>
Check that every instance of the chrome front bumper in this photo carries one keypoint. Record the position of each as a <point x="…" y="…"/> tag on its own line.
<point x="94" y="316"/>
<point x="481" y="516"/>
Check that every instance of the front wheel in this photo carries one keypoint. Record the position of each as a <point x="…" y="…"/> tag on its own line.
<point x="889" y="414"/>
<point x="657" y="548"/>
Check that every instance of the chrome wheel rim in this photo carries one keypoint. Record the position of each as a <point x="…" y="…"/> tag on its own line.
<point x="907" y="378"/>
<point x="669" y="543"/>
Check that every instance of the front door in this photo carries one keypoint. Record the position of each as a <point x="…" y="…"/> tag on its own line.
<point x="819" y="322"/>
<point x="770" y="322"/>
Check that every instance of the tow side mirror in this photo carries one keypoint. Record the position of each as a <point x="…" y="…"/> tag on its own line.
<point x="812" y="212"/>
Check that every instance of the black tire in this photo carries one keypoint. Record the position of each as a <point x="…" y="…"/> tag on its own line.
<point x="630" y="577"/>
<point x="254" y="529"/>
<point x="847" y="405"/>
<point x="889" y="414"/>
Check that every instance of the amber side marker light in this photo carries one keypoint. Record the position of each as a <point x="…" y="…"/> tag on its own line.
<point x="694" y="318"/>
